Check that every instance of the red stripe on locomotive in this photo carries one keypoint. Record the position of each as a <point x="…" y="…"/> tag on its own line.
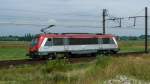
<point x="76" y="36"/>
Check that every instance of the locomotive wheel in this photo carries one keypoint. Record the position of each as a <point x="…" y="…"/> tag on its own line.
<point x="34" y="57"/>
<point x="51" y="57"/>
<point x="93" y="54"/>
<point x="67" y="55"/>
<point x="114" y="52"/>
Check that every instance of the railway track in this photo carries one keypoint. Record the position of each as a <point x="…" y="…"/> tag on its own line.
<point x="91" y="58"/>
<point x="129" y="53"/>
<point x="11" y="63"/>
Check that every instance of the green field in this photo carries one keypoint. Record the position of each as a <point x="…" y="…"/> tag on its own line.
<point x="12" y="50"/>
<point x="131" y="46"/>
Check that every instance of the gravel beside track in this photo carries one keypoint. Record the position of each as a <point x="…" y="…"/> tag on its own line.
<point x="11" y="63"/>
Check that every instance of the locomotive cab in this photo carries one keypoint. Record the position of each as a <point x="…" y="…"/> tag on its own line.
<point x="34" y="46"/>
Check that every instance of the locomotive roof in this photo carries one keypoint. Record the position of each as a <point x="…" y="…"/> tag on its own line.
<point x="76" y="35"/>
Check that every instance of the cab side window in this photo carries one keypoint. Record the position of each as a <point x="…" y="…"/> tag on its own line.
<point x="58" y="41"/>
<point x="107" y="41"/>
<point x="48" y="42"/>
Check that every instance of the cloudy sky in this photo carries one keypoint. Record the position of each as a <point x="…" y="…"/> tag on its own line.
<point x="18" y="17"/>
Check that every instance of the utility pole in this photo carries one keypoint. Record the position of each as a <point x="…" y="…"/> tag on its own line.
<point x="146" y="26"/>
<point x="120" y="22"/>
<point x="134" y="22"/>
<point x="104" y="15"/>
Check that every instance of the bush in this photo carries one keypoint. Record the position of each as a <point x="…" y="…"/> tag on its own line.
<point x="102" y="60"/>
<point x="56" y="65"/>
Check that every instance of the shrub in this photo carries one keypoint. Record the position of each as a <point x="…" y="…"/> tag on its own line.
<point x="56" y="65"/>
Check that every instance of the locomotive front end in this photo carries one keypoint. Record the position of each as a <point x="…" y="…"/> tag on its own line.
<point x="33" y="48"/>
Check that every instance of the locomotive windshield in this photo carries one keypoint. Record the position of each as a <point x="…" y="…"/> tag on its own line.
<point x="34" y="42"/>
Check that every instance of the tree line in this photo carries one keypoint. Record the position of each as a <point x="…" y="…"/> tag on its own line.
<point x="26" y="37"/>
<point x="141" y="37"/>
<point x="29" y="37"/>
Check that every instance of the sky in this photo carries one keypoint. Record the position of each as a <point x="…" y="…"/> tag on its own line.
<point x="18" y="17"/>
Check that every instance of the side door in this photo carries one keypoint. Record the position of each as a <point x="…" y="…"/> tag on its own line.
<point x="100" y="42"/>
<point x="107" y="43"/>
<point x="58" y="45"/>
<point x="66" y="44"/>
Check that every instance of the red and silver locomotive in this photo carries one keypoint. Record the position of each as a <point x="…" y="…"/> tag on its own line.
<point x="51" y="45"/>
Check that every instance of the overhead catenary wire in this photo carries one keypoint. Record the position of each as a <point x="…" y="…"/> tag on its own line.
<point x="119" y="19"/>
<point x="109" y="16"/>
<point x="73" y="26"/>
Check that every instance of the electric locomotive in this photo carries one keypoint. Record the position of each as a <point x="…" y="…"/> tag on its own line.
<point x="53" y="45"/>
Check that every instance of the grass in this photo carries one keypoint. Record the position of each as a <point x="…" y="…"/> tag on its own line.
<point x="130" y="46"/>
<point x="95" y="72"/>
<point x="12" y="53"/>
<point x="13" y="50"/>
